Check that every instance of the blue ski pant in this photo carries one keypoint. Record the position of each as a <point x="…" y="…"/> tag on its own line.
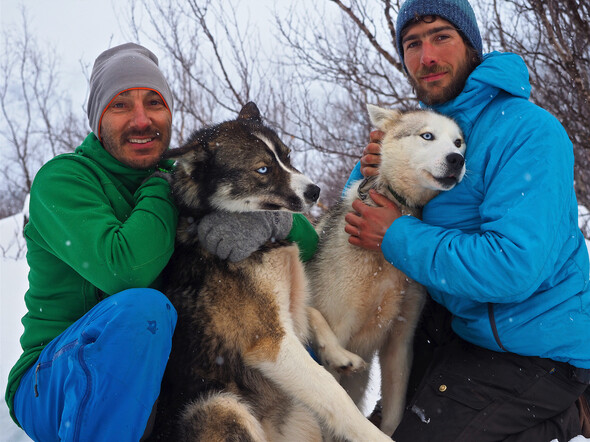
<point x="99" y="379"/>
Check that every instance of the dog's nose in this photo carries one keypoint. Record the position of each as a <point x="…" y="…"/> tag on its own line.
<point x="312" y="193"/>
<point x="455" y="161"/>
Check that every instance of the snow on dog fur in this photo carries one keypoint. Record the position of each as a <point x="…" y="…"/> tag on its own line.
<point x="238" y="369"/>
<point x="363" y="303"/>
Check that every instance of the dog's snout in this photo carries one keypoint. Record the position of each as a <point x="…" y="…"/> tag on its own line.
<point x="455" y="160"/>
<point x="312" y="193"/>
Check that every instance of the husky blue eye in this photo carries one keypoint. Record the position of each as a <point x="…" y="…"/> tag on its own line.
<point x="427" y="136"/>
<point x="263" y="170"/>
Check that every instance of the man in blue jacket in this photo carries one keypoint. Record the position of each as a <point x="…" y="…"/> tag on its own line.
<point x="501" y="252"/>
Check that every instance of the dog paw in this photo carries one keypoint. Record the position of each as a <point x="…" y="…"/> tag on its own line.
<point x="352" y="368"/>
<point x="343" y="361"/>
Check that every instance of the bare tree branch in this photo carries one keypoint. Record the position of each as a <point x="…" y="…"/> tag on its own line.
<point x="36" y="123"/>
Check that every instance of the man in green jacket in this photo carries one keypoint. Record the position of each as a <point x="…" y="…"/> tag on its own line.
<point x="98" y="333"/>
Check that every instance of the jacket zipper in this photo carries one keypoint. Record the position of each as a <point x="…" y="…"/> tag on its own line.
<point x="493" y="325"/>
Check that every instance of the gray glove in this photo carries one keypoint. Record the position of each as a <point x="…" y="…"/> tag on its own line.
<point x="236" y="235"/>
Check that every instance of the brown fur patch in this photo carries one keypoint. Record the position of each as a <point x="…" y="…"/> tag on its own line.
<point x="220" y="418"/>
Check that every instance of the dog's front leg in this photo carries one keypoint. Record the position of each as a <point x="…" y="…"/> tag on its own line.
<point x="331" y="353"/>
<point x="302" y="378"/>
<point x="396" y="358"/>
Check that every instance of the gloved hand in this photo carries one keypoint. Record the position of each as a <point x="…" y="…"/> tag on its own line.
<point x="236" y="235"/>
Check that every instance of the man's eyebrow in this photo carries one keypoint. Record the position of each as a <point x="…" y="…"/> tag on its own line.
<point x="427" y="33"/>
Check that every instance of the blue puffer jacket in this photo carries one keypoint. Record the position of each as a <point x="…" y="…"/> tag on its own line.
<point x="502" y="251"/>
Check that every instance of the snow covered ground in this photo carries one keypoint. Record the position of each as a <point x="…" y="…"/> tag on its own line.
<point x="13" y="285"/>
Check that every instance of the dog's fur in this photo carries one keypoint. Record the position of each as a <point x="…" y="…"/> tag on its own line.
<point x="238" y="369"/>
<point x="369" y="304"/>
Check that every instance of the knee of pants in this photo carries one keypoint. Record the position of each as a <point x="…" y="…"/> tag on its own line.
<point x="145" y="306"/>
<point x="138" y="316"/>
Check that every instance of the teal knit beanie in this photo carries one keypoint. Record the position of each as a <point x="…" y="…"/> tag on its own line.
<point x="457" y="12"/>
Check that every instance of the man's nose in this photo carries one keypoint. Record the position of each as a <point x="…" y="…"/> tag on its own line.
<point x="140" y="119"/>
<point x="428" y="56"/>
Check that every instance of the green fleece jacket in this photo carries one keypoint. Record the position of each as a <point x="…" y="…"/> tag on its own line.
<point x="96" y="227"/>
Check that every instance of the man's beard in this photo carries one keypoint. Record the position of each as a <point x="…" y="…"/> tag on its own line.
<point x="114" y="145"/>
<point x="449" y="92"/>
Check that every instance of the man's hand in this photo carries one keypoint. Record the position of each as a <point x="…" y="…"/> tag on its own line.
<point x="367" y="225"/>
<point x="235" y="236"/>
<point x="372" y="154"/>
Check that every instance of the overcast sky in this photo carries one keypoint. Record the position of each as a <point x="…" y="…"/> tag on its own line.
<point x="81" y="29"/>
<point x="77" y="29"/>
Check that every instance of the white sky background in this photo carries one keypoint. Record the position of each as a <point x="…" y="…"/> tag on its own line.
<point x="80" y="30"/>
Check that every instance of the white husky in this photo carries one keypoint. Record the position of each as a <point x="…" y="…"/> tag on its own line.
<point x="362" y="302"/>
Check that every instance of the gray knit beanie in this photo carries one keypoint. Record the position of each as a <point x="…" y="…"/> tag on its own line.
<point x="124" y="67"/>
<point x="457" y="12"/>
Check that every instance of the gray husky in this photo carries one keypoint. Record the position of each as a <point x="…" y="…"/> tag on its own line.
<point x="362" y="302"/>
<point x="239" y="370"/>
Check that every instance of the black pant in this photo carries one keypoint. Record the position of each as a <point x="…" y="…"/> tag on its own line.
<point x="462" y="392"/>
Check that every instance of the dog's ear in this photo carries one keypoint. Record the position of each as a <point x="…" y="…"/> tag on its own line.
<point x="250" y="112"/>
<point x="194" y="149"/>
<point x="187" y="157"/>
<point x="177" y="152"/>
<point x="383" y="118"/>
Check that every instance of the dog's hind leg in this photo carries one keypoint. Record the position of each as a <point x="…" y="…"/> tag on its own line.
<point x="302" y="378"/>
<point x="395" y="358"/>
<point x="220" y="417"/>
<point x="332" y="355"/>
